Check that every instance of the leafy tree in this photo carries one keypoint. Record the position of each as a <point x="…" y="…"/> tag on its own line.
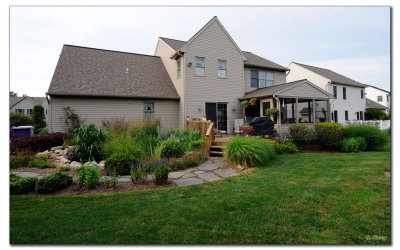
<point x="38" y="117"/>
<point x="13" y="94"/>
<point x="376" y="114"/>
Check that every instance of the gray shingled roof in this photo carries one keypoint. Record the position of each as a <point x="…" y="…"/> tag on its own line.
<point x="253" y="60"/>
<point x="85" y="71"/>
<point x="36" y="100"/>
<point x="369" y="104"/>
<point x="267" y="91"/>
<point x="333" y="76"/>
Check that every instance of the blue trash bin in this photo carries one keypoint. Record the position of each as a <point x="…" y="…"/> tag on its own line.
<point x="22" y="131"/>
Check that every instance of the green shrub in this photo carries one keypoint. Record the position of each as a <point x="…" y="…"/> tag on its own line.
<point x="17" y="119"/>
<point x="42" y="131"/>
<point x="189" y="160"/>
<point x="41" y="162"/>
<point x="249" y="151"/>
<point x="19" y="185"/>
<point x="122" y="145"/>
<point x="88" y="175"/>
<point x="89" y="142"/>
<point x="171" y="148"/>
<point x="64" y="169"/>
<point x="120" y="162"/>
<point x="69" y="142"/>
<point x="376" y="114"/>
<point x="38" y="117"/>
<point x="329" y="134"/>
<point x="353" y="144"/>
<point x="375" y="138"/>
<point x="160" y="171"/>
<point x="198" y="144"/>
<point x="19" y="161"/>
<point x="53" y="182"/>
<point x="301" y="134"/>
<point x="287" y="147"/>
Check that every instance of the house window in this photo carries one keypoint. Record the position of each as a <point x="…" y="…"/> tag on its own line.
<point x="222" y="68"/>
<point x="254" y="78"/>
<point x="148" y="111"/>
<point x="358" y="115"/>
<point x="200" y="66"/>
<point x="387" y="98"/>
<point x="380" y="99"/>
<point x="344" y="93"/>
<point x="335" y="91"/>
<point x="362" y="94"/>
<point x="29" y="111"/>
<point x="178" y="69"/>
<point x="21" y="111"/>
<point x="262" y="79"/>
<point x="335" y="116"/>
<point x="346" y="115"/>
<point x="265" y="106"/>
<point x="270" y="79"/>
<point x="361" y="115"/>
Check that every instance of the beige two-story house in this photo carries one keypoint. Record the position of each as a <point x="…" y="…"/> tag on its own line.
<point x="206" y="75"/>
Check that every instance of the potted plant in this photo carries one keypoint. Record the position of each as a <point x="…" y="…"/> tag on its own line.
<point x="274" y="112"/>
<point x="253" y="101"/>
<point x="244" y="104"/>
<point x="204" y="117"/>
<point x="188" y="117"/>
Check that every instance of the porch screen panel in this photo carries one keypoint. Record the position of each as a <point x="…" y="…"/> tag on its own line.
<point x="288" y="110"/>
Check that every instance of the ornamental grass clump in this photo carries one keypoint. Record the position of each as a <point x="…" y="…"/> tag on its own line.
<point x="249" y="151"/>
<point x="375" y="138"/>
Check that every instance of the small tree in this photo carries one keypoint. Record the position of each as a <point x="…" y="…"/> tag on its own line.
<point x="13" y="94"/>
<point x="72" y="120"/>
<point x="38" y="117"/>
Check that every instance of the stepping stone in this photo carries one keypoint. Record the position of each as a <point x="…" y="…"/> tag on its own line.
<point x="225" y="172"/>
<point x="188" y="175"/>
<point x="208" y="176"/>
<point x="174" y="175"/>
<point x="208" y="166"/>
<point x="124" y="178"/>
<point x="26" y="174"/>
<point x="188" y="181"/>
<point x="198" y="172"/>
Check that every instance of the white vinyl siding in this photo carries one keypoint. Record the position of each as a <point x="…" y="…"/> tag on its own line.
<point x="200" y="66"/>
<point x="178" y="69"/>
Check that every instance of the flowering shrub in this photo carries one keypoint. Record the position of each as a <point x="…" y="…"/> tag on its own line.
<point x="37" y="143"/>
<point x="139" y="171"/>
<point x="111" y="181"/>
<point x="253" y="101"/>
<point x="329" y="134"/>
<point x="246" y="129"/>
<point x="189" y="160"/>
<point x="160" y="171"/>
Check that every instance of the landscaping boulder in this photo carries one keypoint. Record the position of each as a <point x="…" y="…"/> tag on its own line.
<point x="63" y="160"/>
<point x="100" y="166"/>
<point x="75" y="164"/>
<point x="92" y="163"/>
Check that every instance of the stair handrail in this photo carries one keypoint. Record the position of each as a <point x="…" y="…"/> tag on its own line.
<point x="209" y="137"/>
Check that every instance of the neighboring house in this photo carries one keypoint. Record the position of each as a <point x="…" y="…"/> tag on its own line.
<point x="349" y="95"/>
<point x="207" y="74"/>
<point x="24" y="104"/>
<point x="378" y="95"/>
<point x="370" y="104"/>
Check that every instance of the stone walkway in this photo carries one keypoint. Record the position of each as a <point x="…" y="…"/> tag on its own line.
<point x="213" y="169"/>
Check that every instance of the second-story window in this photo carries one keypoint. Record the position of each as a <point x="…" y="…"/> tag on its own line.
<point x="270" y="79"/>
<point x="362" y="94"/>
<point x="222" y="68"/>
<point x="262" y="81"/>
<point x="200" y="69"/>
<point x="380" y="98"/>
<point x="178" y="69"/>
<point x="344" y="93"/>
<point x="254" y="78"/>
<point x="335" y="91"/>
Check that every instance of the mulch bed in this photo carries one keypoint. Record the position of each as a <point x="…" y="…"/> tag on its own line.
<point x="316" y="148"/>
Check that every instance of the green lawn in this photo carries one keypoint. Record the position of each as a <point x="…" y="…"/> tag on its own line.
<point x="297" y="199"/>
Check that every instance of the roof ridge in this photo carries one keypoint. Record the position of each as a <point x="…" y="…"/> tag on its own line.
<point x="314" y="66"/>
<point x="124" y="52"/>
<point x="172" y="39"/>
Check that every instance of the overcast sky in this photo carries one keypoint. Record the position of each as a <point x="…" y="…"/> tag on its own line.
<point x="353" y="41"/>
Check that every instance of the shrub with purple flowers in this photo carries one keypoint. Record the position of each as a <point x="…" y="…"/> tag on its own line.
<point x="139" y="171"/>
<point x="160" y="171"/>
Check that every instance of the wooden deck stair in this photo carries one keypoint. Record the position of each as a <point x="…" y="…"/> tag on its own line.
<point x="217" y="148"/>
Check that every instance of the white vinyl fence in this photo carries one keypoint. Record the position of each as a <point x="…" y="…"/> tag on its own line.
<point x="381" y="124"/>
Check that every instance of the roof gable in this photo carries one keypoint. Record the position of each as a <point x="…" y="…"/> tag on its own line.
<point x="254" y="60"/>
<point x="34" y="100"/>
<point x="82" y="71"/>
<point x="332" y="76"/>
<point x="205" y="27"/>
<point x="369" y="104"/>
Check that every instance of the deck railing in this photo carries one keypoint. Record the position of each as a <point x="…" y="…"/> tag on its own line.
<point x="200" y="126"/>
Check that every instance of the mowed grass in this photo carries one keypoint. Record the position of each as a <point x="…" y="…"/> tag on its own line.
<point x="297" y="199"/>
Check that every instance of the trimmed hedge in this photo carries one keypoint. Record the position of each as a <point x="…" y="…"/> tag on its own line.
<point x="329" y="134"/>
<point x="120" y="162"/>
<point x="37" y="143"/>
<point x="375" y="138"/>
<point x="53" y="182"/>
<point x="17" y="119"/>
<point x="19" y="185"/>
